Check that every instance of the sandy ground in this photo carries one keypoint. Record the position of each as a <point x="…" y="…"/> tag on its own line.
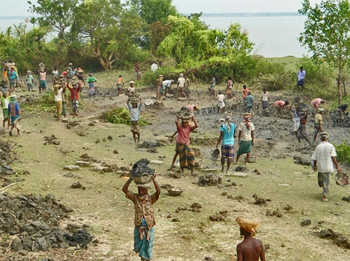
<point x="182" y="234"/>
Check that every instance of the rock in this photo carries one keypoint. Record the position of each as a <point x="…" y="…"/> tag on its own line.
<point x="157" y="162"/>
<point x="288" y="207"/>
<point x="72" y="167"/>
<point x="175" y="220"/>
<point x="305" y="222"/>
<point x="16" y="244"/>
<point x="240" y="174"/>
<point x="241" y="169"/>
<point x="83" y="163"/>
<point x="23" y="252"/>
<point x="217" y="218"/>
<point x="209" y="180"/>
<point x="77" y="185"/>
<point x="110" y="137"/>
<point x="115" y="151"/>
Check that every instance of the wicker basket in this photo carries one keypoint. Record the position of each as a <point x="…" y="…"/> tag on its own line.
<point x="175" y="191"/>
<point x="145" y="178"/>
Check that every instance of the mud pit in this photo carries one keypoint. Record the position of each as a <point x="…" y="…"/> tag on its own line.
<point x="190" y="235"/>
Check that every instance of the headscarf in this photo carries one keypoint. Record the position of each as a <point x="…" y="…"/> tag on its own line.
<point x="248" y="225"/>
<point x="228" y="121"/>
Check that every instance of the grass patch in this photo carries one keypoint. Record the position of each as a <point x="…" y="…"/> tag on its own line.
<point x="121" y="115"/>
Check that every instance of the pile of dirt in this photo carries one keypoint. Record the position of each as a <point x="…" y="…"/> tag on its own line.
<point x="51" y="140"/>
<point x="337" y="238"/>
<point x="141" y="167"/>
<point x="34" y="224"/>
<point x="7" y="156"/>
<point x="209" y="180"/>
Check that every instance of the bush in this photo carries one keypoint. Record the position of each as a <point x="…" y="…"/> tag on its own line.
<point x="343" y="152"/>
<point x="121" y="115"/>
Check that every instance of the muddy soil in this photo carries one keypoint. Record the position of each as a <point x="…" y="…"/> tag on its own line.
<point x="52" y="154"/>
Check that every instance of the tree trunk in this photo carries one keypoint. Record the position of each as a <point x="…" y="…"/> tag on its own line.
<point x="339" y="86"/>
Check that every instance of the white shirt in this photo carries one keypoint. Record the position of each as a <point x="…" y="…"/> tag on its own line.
<point x="58" y="96"/>
<point x="301" y="75"/>
<point x="166" y="83"/>
<point x="154" y="67"/>
<point x="181" y="82"/>
<point x="221" y="98"/>
<point x="246" y="133"/>
<point x="265" y="96"/>
<point x="323" y="153"/>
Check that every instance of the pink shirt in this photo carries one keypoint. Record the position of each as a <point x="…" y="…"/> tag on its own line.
<point x="190" y="108"/>
<point x="42" y="76"/>
<point x="183" y="135"/>
<point x="280" y="103"/>
<point x="316" y="102"/>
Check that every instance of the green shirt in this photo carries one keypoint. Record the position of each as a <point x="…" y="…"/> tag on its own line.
<point x="91" y="79"/>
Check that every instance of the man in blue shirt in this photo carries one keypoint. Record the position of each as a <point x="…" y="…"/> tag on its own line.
<point x="15" y="114"/>
<point x="250" y="102"/>
<point x="226" y="138"/>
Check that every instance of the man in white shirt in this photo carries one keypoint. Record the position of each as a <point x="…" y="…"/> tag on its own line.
<point x="166" y="85"/>
<point x="154" y="67"/>
<point x="221" y="102"/>
<point x="245" y="137"/>
<point x="324" y="157"/>
<point x="180" y="85"/>
<point x="301" y="77"/>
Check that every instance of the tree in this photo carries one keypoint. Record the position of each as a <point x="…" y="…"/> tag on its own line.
<point x="154" y="10"/>
<point x="327" y="35"/>
<point x="57" y="14"/>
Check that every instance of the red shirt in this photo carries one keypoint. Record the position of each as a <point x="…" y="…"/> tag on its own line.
<point x="74" y="92"/>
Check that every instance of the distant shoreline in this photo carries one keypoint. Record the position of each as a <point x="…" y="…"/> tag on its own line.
<point x="203" y="15"/>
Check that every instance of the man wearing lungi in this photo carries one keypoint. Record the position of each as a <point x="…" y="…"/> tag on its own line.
<point x="144" y="217"/>
<point x="183" y="142"/>
<point x="135" y="111"/>
<point x="226" y="138"/>
<point x="245" y="137"/>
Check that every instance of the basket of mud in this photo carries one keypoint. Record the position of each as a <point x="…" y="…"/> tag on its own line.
<point x="252" y="159"/>
<point x="174" y="191"/>
<point x="141" y="173"/>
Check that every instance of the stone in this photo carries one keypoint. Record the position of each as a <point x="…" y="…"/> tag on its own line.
<point x="72" y="167"/>
<point x="115" y="151"/>
<point x="239" y="174"/>
<point x="157" y="162"/>
<point x="305" y="222"/>
<point x="83" y="163"/>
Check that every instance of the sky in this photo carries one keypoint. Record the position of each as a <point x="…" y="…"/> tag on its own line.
<point x="196" y="6"/>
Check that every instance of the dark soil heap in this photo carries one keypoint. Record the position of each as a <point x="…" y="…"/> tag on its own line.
<point x="141" y="167"/>
<point x="36" y="223"/>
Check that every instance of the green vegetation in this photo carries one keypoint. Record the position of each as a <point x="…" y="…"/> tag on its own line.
<point x="343" y="152"/>
<point x="327" y="36"/>
<point x="121" y="115"/>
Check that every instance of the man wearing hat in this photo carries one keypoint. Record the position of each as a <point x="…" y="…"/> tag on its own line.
<point x="15" y="114"/>
<point x="324" y="157"/>
<point x="245" y="137"/>
<point x="250" y="248"/>
<point x="131" y="89"/>
<point x="144" y="217"/>
<point x="135" y="111"/>
<point x="318" y="122"/>
<point x="227" y="133"/>
<point x="74" y="93"/>
<point x="181" y="85"/>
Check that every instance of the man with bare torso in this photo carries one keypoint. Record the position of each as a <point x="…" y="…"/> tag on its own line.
<point x="250" y="249"/>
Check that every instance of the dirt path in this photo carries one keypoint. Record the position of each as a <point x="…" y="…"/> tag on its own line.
<point x="181" y="233"/>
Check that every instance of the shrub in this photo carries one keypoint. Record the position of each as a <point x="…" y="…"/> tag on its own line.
<point x="343" y="152"/>
<point x="121" y="115"/>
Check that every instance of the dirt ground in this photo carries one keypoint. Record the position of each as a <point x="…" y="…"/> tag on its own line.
<point x="289" y="191"/>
